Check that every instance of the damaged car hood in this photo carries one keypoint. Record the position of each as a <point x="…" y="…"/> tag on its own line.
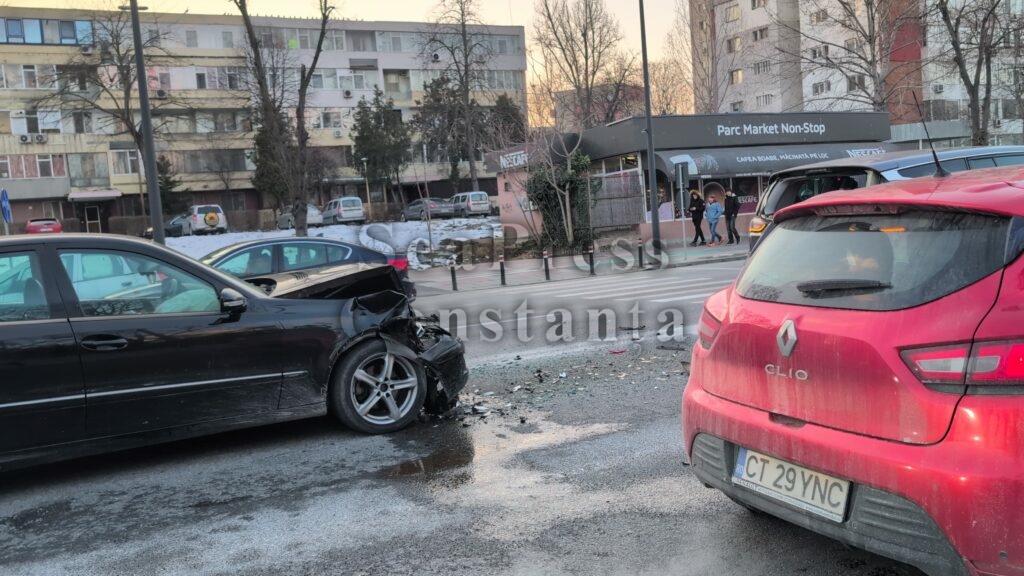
<point x="330" y="282"/>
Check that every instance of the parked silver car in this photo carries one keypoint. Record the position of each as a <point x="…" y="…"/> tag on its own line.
<point x="467" y="204"/>
<point x="417" y="210"/>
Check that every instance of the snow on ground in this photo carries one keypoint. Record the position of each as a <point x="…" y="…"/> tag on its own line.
<point x="388" y="237"/>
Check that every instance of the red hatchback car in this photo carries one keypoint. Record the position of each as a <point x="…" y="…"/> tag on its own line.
<point x="864" y="375"/>
<point x="43" y="226"/>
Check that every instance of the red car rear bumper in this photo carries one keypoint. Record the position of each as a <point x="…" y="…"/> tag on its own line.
<point x="970" y="485"/>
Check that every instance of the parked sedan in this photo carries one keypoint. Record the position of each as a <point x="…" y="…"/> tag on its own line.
<point x="280" y="255"/>
<point x="186" y="350"/>
<point x="418" y="209"/>
<point x="864" y="376"/>
<point x="173" y="228"/>
<point x="313" y="218"/>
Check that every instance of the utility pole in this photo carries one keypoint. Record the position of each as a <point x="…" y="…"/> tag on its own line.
<point x="652" y="173"/>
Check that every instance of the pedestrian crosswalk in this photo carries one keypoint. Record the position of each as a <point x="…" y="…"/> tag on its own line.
<point x="647" y="286"/>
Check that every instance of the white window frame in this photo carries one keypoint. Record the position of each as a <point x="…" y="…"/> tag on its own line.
<point x="736" y="106"/>
<point x="42" y="159"/>
<point x="227" y="39"/>
<point x="131" y="161"/>
<point x="736" y="76"/>
<point x="5" y="167"/>
<point x="191" y="39"/>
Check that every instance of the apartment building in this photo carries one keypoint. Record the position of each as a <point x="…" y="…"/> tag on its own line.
<point x="743" y="56"/>
<point x="64" y="151"/>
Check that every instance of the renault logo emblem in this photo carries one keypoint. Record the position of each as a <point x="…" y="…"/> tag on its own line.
<point x="786" y="338"/>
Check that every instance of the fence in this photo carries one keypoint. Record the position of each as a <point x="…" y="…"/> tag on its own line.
<point x="617" y="200"/>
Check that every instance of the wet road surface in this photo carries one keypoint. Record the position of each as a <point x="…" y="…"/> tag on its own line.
<point x="576" y="475"/>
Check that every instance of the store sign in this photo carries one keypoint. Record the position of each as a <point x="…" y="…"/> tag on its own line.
<point x="772" y="129"/>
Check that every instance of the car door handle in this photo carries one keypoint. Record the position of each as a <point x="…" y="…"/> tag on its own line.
<point x="104" y="343"/>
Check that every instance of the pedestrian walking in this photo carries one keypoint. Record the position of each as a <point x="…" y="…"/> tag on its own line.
<point x="732" y="210"/>
<point x="697" y="217"/>
<point x="713" y="211"/>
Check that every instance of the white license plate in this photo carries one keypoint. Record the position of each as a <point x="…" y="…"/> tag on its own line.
<point x="814" y="492"/>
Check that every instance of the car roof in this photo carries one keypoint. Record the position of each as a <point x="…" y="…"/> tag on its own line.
<point x="902" y="159"/>
<point x="114" y="240"/>
<point x="992" y="190"/>
<point x="271" y="241"/>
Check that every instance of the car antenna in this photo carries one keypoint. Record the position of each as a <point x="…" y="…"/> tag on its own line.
<point x="940" y="172"/>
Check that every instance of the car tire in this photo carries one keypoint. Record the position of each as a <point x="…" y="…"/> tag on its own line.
<point x="360" y="384"/>
<point x="403" y="218"/>
<point x="423" y="215"/>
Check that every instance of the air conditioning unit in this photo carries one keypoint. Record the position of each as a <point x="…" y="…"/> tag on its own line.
<point x="347" y="93"/>
<point x="86" y="49"/>
<point x="435" y="57"/>
<point x="938" y="88"/>
<point x="161" y="95"/>
<point x="41" y="138"/>
<point x="337" y="134"/>
<point x="25" y="139"/>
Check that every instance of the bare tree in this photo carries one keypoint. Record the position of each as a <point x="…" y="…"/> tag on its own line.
<point x="975" y="30"/>
<point x="291" y="155"/>
<point x="1015" y="75"/>
<point x="671" y="90"/>
<point x="584" y="72"/>
<point x="854" y="43"/>
<point x="699" y="50"/>
<point x="455" y="37"/>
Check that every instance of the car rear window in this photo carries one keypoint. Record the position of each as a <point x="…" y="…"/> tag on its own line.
<point x="208" y="208"/>
<point x="352" y="203"/>
<point x="954" y="165"/>
<point x="875" y="261"/>
<point x="478" y="197"/>
<point x="789" y="191"/>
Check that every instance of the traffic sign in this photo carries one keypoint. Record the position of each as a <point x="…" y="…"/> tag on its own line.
<point x="5" y="205"/>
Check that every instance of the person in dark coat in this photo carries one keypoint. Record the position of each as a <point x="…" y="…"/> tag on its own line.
<point x="732" y="210"/>
<point x="697" y="217"/>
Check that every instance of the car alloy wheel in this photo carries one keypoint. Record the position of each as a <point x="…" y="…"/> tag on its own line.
<point x="375" y="391"/>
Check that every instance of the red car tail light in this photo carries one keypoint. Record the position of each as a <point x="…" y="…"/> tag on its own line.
<point x="997" y="363"/>
<point x="989" y="364"/>
<point x="708" y="329"/>
<point x="939" y="365"/>
<point x="400" y="263"/>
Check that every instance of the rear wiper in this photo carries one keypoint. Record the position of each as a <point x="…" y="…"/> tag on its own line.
<point x="840" y="285"/>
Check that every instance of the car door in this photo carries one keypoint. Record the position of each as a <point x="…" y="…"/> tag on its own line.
<point x="164" y="355"/>
<point x="42" y="398"/>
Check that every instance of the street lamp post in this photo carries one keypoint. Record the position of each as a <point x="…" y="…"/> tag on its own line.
<point x="366" y="178"/>
<point x="652" y="174"/>
<point x="148" y="151"/>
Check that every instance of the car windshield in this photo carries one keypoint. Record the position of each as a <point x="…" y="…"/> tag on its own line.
<point x="874" y="261"/>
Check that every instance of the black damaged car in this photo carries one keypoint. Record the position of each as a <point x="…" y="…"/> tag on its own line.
<point x="108" y="343"/>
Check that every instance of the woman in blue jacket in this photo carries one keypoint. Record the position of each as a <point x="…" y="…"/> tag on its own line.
<point x="713" y="212"/>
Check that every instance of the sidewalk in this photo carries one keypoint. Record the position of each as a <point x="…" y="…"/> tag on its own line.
<point x="520" y="272"/>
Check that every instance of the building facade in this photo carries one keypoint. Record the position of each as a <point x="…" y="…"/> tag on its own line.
<point x="64" y="149"/>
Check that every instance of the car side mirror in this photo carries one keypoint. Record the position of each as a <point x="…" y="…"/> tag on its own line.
<point x="232" y="302"/>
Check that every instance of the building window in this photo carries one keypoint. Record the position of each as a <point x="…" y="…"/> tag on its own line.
<point x="853" y="45"/>
<point x="5" y="167"/>
<point x="201" y="80"/>
<point x="361" y="41"/>
<point x="15" y="31"/>
<point x="819" y="53"/>
<point x="227" y="39"/>
<point x="736" y="107"/>
<point x="45" y="164"/>
<point x="191" y="39"/>
<point x="819" y="88"/>
<point x="755" y="4"/>
<point x="765" y="100"/>
<point x="153" y="37"/>
<point x="855" y="83"/>
<point x="734" y="45"/>
<point x="819" y="17"/>
<point x="29" y="78"/>
<point x="732" y="13"/>
<point x="68" y="34"/>
<point x="317" y="81"/>
<point x="126" y="162"/>
<point x="735" y="77"/>
<point x="761" y="34"/>
<point x="763" y="67"/>
<point x="82" y="122"/>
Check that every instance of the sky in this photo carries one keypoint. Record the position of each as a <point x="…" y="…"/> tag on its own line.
<point x="497" y="12"/>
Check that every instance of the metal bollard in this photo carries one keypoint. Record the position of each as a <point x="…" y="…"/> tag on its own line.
<point x="547" y="268"/>
<point x="591" y="252"/>
<point x="455" y="285"/>
<point x="501" y="264"/>
<point x="640" y="253"/>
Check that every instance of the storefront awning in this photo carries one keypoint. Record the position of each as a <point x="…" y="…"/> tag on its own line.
<point x="93" y="195"/>
<point x="763" y="160"/>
